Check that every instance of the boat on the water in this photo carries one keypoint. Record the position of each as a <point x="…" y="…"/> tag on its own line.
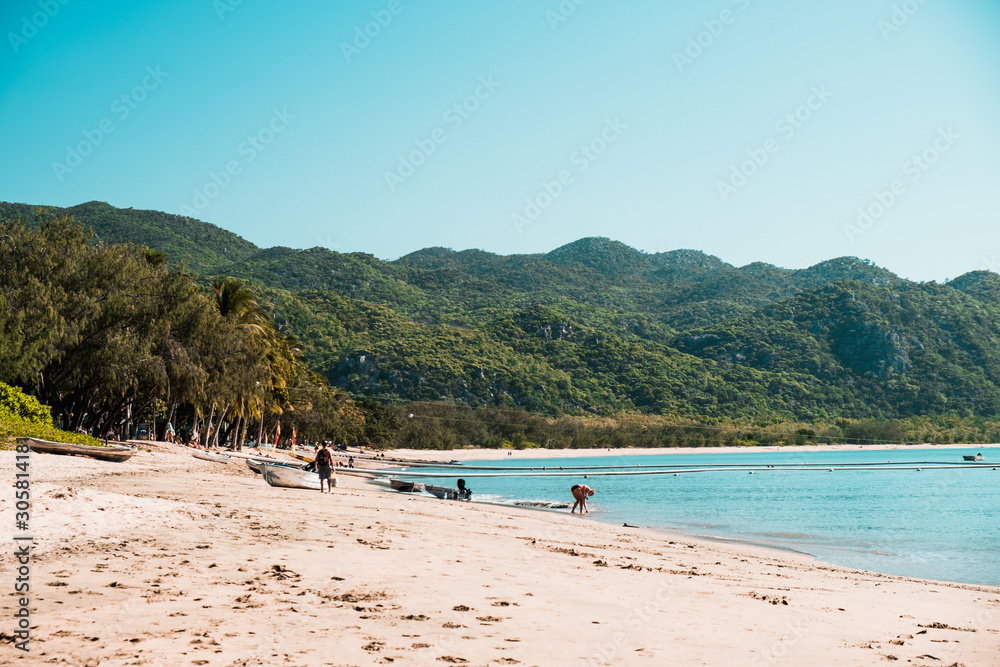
<point x="114" y="454"/>
<point x="971" y="457"/>
<point x="292" y="478"/>
<point x="210" y="456"/>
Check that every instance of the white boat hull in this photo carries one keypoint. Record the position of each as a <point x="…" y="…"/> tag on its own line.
<point x="210" y="456"/>
<point x="257" y="465"/>
<point x="292" y="478"/>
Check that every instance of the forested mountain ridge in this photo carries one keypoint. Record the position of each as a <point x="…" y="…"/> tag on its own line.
<point x="598" y="327"/>
<point x="203" y="247"/>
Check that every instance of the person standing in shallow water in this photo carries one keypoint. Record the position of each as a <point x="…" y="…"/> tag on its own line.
<point x="580" y="494"/>
<point x="324" y="466"/>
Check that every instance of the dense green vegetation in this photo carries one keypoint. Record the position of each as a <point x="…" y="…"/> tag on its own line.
<point x="109" y="336"/>
<point x="22" y="415"/>
<point x="445" y="426"/>
<point x="840" y="350"/>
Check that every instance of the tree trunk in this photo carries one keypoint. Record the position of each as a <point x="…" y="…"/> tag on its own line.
<point x="170" y="419"/>
<point x="222" y="418"/>
<point x="236" y="430"/>
<point x="208" y="426"/>
<point x="260" y="430"/>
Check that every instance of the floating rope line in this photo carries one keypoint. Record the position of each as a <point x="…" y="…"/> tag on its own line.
<point x="678" y="471"/>
<point x="680" y="465"/>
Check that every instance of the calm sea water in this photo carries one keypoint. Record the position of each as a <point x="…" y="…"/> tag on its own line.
<point x="931" y="523"/>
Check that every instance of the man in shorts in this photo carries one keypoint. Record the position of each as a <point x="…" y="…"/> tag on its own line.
<point x="324" y="466"/>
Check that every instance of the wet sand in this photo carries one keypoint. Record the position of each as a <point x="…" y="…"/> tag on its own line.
<point x="171" y="560"/>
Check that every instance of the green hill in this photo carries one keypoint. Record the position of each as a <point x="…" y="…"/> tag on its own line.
<point x="598" y="327"/>
<point x="202" y="247"/>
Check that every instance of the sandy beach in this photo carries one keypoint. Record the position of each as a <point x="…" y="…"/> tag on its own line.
<point x="171" y="560"/>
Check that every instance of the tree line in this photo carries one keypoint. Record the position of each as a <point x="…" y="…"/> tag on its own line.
<point x="451" y="426"/>
<point x="109" y="336"/>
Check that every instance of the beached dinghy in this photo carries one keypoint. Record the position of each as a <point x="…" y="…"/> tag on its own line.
<point x="406" y="487"/>
<point x="257" y="465"/>
<point x="210" y="456"/>
<point x="443" y="492"/>
<point x="115" y="454"/>
<point x="292" y="478"/>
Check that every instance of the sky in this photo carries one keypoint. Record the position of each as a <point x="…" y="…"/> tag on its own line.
<point x="786" y="132"/>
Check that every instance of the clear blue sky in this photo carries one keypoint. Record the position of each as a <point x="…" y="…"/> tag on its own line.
<point x="312" y="120"/>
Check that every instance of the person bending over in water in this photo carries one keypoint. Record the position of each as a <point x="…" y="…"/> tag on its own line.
<point x="580" y="494"/>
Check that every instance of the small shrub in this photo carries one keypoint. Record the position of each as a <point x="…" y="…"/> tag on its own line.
<point x="15" y="405"/>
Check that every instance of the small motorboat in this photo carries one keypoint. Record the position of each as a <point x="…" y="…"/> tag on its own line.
<point x="972" y="457"/>
<point x="443" y="492"/>
<point x="210" y="456"/>
<point x="116" y="454"/>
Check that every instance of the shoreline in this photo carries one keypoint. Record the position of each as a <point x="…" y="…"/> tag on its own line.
<point x="816" y="552"/>
<point x="168" y="559"/>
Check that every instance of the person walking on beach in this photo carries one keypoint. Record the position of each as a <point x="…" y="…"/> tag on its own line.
<point x="324" y="466"/>
<point x="580" y="494"/>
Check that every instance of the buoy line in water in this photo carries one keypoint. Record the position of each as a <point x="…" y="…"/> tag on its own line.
<point x="678" y="471"/>
<point x="679" y="465"/>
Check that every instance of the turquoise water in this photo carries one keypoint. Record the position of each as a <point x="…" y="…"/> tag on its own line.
<point x="930" y="523"/>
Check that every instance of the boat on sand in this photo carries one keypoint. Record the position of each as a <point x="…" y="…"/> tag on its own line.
<point x="257" y="465"/>
<point x="443" y="492"/>
<point x="210" y="456"/>
<point x="114" y="454"/>
<point x="406" y="487"/>
<point x="292" y="478"/>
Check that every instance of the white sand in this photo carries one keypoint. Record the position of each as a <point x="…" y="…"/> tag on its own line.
<point x="169" y="560"/>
